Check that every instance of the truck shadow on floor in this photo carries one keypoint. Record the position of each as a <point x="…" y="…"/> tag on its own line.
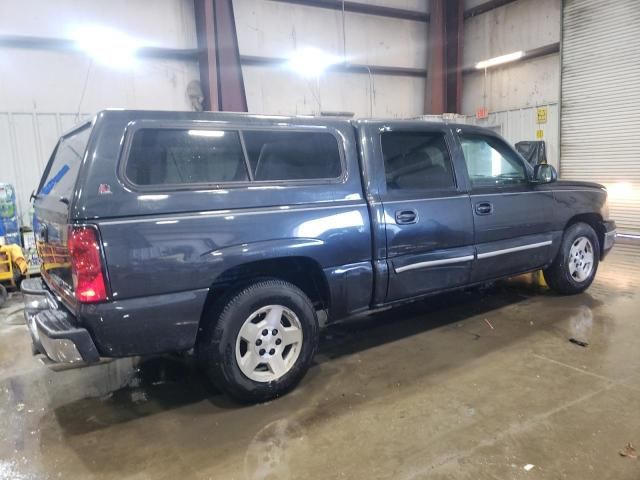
<point x="168" y="382"/>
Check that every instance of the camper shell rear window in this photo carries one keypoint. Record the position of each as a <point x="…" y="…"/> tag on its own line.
<point x="64" y="164"/>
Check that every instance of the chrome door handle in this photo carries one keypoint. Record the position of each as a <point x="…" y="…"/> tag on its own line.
<point x="484" y="208"/>
<point x="406" y="217"/>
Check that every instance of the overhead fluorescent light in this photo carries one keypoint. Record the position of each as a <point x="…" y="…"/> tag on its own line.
<point x="207" y="133"/>
<point x="492" y="62"/>
<point x="105" y="45"/>
<point x="311" y="62"/>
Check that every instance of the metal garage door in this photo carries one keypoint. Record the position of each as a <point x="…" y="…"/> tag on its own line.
<point x="600" y="111"/>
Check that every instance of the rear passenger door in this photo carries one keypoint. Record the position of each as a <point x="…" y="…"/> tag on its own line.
<point x="513" y="218"/>
<point x="427" y="217"/>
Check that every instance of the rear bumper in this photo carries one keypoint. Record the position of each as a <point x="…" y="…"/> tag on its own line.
<point x="609" y="236"/>
<point x="122" y="328"/>
<point x="53" y="329"/>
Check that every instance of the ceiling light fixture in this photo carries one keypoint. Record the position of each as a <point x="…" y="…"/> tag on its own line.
<point x="105" y="45"/>
<point x="492" y="62"/>
<point x="311" y="62"/>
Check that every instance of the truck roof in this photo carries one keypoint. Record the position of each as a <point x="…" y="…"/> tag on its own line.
<point x="211" y="115"/>
<point x="282" y="120"/>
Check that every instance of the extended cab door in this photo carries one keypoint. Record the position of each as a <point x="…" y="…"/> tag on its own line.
<point x="513" y="217"/>
<point x="422" y="210"/>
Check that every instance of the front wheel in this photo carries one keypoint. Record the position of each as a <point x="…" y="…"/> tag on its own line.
<point x="262" y="343"/>
<point x="575" y="266"/>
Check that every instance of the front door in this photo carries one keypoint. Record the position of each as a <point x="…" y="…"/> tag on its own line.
<point x="513" y="217"/>
<point x="426" y="210"/>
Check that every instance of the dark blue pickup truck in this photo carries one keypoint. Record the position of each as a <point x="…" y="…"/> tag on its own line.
<point x="227" y="233"/>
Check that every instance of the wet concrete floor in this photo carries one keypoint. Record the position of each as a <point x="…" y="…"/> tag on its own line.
<point x="472" y="385"/>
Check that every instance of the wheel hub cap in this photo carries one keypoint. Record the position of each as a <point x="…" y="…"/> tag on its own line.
<point x="581" y="259"/>
<point x="269" y="343"/>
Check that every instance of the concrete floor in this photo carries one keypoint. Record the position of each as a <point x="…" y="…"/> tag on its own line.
<point x="473" y="385"/>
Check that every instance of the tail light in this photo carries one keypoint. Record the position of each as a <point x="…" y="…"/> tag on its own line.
<point x="86" y="265"/>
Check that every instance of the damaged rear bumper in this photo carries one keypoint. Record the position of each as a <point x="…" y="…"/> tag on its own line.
<point x="53" y="329"/>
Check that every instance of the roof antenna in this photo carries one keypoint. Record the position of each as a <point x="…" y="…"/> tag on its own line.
<point x="84" y="89"/>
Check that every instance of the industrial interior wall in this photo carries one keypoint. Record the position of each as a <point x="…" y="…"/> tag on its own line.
<point x="517" y="26"/>
<point x="54" y="81"/>
<point x="276" y="29"/>
<point x="43" y="93"/>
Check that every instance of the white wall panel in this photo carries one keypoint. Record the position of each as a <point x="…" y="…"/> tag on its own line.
<point x="522" y="84"/>
<point x="521" y="25"/>
<point x="46" y="81"/>
<point x="520" y="124"/>
<point x="282" y="92"/>
<point x="161" y="23"/>
<point x="276" y="29"/>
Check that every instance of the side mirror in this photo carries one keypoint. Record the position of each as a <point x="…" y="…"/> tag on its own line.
<point x="544" y="173"/>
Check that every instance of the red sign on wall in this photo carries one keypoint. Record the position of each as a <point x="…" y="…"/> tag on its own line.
<point x="482" y="112"/>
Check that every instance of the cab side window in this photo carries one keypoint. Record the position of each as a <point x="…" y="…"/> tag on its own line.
<point x="417" y="161"/>
<point x="490" y="162"/>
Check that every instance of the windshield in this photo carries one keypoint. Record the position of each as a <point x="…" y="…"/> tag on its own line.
<point x="65" y="165"/>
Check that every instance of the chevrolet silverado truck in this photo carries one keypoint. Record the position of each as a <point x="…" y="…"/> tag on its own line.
<point x="227" y="234"/>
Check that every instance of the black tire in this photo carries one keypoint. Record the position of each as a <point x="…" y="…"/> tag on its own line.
<point x="217" y="346"/>
<point x="4" y="295"/>
<point x="558" y="276"/>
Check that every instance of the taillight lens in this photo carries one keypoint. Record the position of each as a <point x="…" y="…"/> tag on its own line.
<point x="86" y="265"/>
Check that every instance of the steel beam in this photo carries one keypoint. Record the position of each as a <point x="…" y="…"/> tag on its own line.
<point x="444" y="81"/>
<point x="201" y="55"/>
<point x="230" y="81"/>
<point x="207" y="59"/>
<point x="220" y="68"/>
<point x="485" y="7"/>
<point x="274" y="62"/>
<point x="548" y="49"/>
<point x="357" y="7"/>
<point x="64" y="44"/>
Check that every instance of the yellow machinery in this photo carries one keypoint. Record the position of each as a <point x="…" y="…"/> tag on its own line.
<point x="10" y="257"/>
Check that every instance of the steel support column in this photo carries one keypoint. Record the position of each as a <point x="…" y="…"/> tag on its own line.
<point x="220" y="69"/>
<point x="444" y="79"/>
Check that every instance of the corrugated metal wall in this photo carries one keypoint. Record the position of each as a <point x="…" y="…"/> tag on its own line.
<point x="26" y="142"/>
<point x="521" y="124"/>
<point x="601" y="101"/>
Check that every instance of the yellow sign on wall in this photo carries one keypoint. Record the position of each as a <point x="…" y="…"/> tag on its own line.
<point x="542" y="115"/>
<point x="539" y="134"/>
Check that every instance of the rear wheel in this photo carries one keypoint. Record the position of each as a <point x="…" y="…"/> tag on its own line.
<point x="262" y="343"/>
<point x="575" y="266"/>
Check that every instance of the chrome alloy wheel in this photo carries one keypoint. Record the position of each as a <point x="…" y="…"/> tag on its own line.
<point x="581" y="259"/>
<point x="269" y="343"/>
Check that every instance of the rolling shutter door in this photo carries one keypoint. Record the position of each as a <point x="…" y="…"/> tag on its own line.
<point x="600" y="111"/>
